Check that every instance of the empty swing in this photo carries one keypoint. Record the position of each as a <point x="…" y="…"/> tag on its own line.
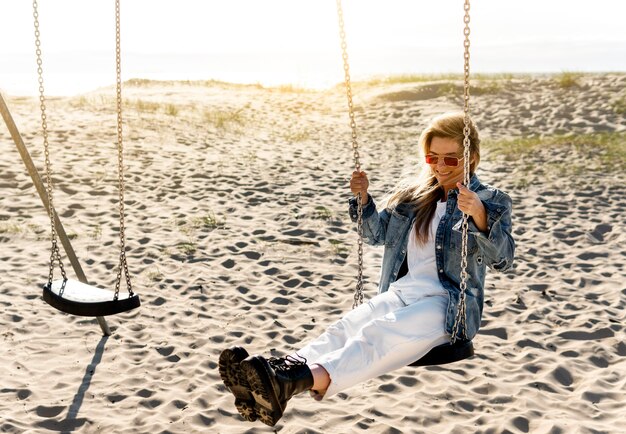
<point x="68" y="295"/>
<point x="460" y="347"/>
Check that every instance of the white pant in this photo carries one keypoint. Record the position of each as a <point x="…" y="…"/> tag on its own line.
<point x="382" y="335"/>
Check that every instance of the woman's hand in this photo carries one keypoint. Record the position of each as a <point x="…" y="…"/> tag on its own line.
<point x="470" y="204"/>
<point x="359" y="184"/>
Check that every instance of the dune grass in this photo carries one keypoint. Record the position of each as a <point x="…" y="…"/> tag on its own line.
<point x="296" y="136"/>
<point x="16" y="228"/>
<point x="422" y="78"/>
<point x="449" y="85"/>
<point x="409" y="78"/>
<point x="108" y="102"/>
<point x="144" y="82"/>
<point x="144" y="106"/>
<point x="568" y="79"/>
<point x="222" y="119"/>
<point x="619" y="106"/>
<point x="171" y="109"/>
<point x="187" y="248"/>
<point x="11" y="228"/>
<point x="207" y="221"/>
<point x="338" y="247"/>
<point x="598" y="151"/>
<point x="322" y="213"/>
<point x="155" y="275"/>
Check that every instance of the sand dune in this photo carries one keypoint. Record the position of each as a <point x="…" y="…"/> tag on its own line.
<point x="238" y="234"/>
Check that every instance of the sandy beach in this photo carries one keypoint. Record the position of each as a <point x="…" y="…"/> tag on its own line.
<point x="238" y="234"/>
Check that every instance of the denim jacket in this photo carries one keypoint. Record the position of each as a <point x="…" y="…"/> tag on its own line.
<point x="494" y="249"/>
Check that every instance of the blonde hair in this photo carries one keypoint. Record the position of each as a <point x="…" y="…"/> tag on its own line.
<point x="424" y="192"/>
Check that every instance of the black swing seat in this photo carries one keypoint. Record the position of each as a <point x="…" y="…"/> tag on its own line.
<point x="78" y="298"/>
<point x="447" y="353"/>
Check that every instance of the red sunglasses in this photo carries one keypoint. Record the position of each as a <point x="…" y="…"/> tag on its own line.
<point x="448" y="161"/>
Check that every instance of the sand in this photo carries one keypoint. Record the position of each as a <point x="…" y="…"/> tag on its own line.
<point x="239" y="235"/>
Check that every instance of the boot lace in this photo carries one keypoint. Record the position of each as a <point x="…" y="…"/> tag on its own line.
<point x="283" y="364"/>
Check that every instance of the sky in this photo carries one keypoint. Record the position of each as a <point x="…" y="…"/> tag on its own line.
<point x="296" y="41"/>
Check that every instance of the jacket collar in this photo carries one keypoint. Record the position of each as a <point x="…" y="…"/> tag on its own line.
<point x="474" y="182"/>
<point x="406" y="209"/>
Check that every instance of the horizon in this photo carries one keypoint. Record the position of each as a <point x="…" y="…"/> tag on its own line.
<point x="297" y="42"/>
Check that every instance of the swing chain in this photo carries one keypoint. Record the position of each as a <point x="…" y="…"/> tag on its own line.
<point x="120" y="158"/>
<point x="55" y="254"/>
<point x="358" y="293"/>
<point x="459" y="321"/>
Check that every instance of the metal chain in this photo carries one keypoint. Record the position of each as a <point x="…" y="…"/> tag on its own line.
<point x="459" y="320"/>
<point x="120" y="158"/>
<point x="55" y="254"/>
<point x="358" y="292"/>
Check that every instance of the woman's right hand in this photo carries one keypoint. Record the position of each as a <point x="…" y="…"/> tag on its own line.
<point x="359" y="184"/>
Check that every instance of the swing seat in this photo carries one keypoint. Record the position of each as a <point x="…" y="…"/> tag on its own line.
<point x="447" y="353"/>
<point x="78" y="298"/>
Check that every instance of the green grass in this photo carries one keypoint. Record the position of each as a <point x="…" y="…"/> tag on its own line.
<point x="142" y="82"/>
<point x="27" y="230"/>
<point x="224" y="119"/>
<point x="449" y="89"/>
<point x="96" y="233"/>
<point x="208" y="221"/>
<point x="288" y="88"/>
<point x="619" y="106"/>
<point x="422" y="78"/>
<point x="81" y="101"/>
<point x="10" y="228"/>
<point x="190" y="227"/>
<point x="410" y="78"/>
<point x="187" y="248"/>
<point x="139" y="105"/>
<point x="105" y="102"/>
<point x="487" y="87"/>
<point x="598" y="151"/>
<point x="451" y="84"/>
<point x="567" y="79"/>
<point x="338" y="247"/>
<point x="323" y="213"/>
<point x="171" y="109"/>
<point x="503" y="76"/>
<point x="143" y="106"/>
<point x="296" y="136"/>
<point x="155" y="275"/>
<point x="166" y="251"/>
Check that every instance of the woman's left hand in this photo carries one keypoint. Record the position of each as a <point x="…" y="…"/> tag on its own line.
<point x="470" y="204"/>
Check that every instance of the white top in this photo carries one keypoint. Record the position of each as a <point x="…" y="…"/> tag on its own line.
<point x="422" y="278"/>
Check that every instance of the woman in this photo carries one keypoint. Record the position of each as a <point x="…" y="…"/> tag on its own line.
<point x="418" y="299"/>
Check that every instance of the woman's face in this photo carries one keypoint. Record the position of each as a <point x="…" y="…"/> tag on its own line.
<point x="446" y="173"/>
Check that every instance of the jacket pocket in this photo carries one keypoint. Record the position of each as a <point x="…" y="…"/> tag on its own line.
<point x="456" y="241"/>
<point x="396" y="229"/>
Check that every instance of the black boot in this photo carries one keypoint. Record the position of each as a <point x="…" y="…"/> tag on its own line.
<point x="236" y="382"/>
<point x="273" y="382"/>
